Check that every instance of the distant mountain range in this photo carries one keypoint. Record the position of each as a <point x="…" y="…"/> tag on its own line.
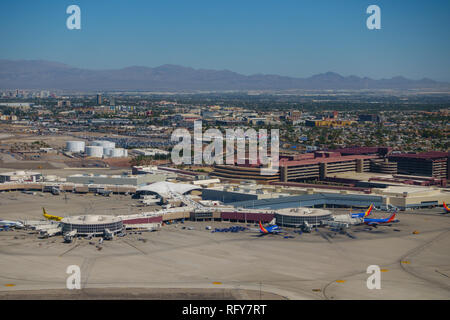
<point x="39" y="74"/>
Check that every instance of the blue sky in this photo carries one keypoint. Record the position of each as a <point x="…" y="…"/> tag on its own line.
<point x="294" y="38"/>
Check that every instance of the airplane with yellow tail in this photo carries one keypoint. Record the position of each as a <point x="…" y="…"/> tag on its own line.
<point x="363" y="214"/>
<point x="50" y="217"/>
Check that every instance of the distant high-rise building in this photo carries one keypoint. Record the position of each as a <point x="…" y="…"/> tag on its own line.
<point x="295" y="115"/>
<point x="99" y="99"/>
<point x="369" y="118"/>
<point x="64" y="103"/>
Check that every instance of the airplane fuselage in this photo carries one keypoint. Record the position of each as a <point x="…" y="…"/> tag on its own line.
<point x="8" y="223"/>
<point x="370" y="221"/>
<point x="270" y="229"/>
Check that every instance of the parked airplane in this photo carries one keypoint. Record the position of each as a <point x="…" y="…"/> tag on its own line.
<point x="447" y="209"/>
<point x="376" y="222"/>
<point x="273" y="229"/>
<point x="50" y="217"/>
<point x="363" y="214"/>
<point x="8" y="223"/>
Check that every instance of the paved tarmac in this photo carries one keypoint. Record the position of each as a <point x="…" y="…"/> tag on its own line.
<point x="181" y="263"/>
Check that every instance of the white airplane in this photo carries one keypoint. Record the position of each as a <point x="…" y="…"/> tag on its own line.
<point x="9" y="223"/>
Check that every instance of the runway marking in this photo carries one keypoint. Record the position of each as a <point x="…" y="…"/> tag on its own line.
<point x="133" y="246"/>
<point x="442" y="273"/>
<point x="86" y="269"/>
<point x="77" y="245"/>
<point x="417" y="251"/>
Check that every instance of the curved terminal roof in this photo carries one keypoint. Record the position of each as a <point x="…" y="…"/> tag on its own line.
<point x="164" y="189"/>
<point x="91" y="219"/>
<point x="309" y="212"/>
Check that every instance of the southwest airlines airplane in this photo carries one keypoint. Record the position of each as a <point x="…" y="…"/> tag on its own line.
<point x="363" y="214"/>
<point x="376" y="222"/>
<point x="447" y="209"/>
<point x="269" y="230"/>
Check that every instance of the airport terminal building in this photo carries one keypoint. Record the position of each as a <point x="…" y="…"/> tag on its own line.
<point x="92" y="225"/>
<point x="297" y="217"/>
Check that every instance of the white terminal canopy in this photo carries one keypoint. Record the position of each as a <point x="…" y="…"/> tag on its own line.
<point x="164" y="188"/>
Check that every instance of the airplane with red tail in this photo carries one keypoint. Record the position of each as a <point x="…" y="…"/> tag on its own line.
<point x="376" y="222"/>
<point x="274" y="229"/>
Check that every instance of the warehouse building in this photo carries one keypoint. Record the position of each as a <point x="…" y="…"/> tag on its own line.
<point x="20" y="176"/>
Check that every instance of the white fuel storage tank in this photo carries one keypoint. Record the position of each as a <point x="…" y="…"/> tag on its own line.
<point x="94" y="151"/>
<point x="75" y="146"/>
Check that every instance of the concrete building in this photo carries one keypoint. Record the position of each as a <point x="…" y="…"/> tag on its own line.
<point x="430" y="164"/>
<point x="151" y="152"/>
<point x="328" y="123"/>
<point x="240" y="172"/>
<point x="312" y="198"/>
<point x="20" y="176"/>
<point x="383" y="166"/>
<point x="317" y="165"/>
<point x="412" y="197"/>
<point x="131" y="180"/>
<point x="243" y="192"/>
<point x="402" y="197"/>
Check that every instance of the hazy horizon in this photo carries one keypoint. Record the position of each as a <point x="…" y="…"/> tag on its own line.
<point x="212" y="69"/>
<point x="287" y="38"/>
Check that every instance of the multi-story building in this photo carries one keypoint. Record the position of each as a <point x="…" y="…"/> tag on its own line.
<point x="430" y="164"/>
<point x="300" y="167"/>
